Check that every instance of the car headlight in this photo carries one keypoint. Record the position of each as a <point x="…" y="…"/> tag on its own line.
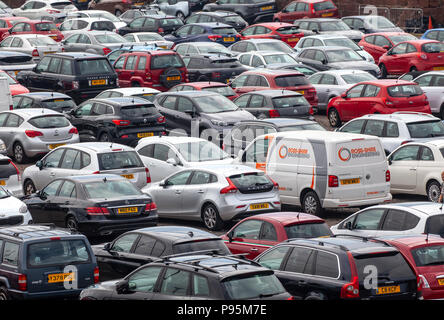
<point x="219" y="123"/>
<point x="23" y="209"/>
<point x="2" y="146"/>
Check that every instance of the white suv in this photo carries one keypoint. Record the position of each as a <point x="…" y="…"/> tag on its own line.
<point x="397" y="128"/>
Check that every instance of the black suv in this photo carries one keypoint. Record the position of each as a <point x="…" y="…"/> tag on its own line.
<point x="252" y="11"/>
<point x="122" y="120"/>
<point x="193" y="277"/>
<point x="40" y="261"/>
<point x="56" y="101"/>
<point x="341" y="267"/>
<point x="138" y="247"/>
<point x="161" y="24"/>
<point x="226" y="17"/>
<point x="79" y="75"/>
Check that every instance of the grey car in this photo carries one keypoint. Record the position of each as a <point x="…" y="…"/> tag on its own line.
<point x="261" y="45"/>
<point x="83" y="159"/>
<point x="35" y="45"/>
<point x="204" y="48"/>
<point x="178" y="8"/>
<point x="98" y="42"/>
<point x="262" y="59"/>
<point x="432" y="83"/>
<point x="327" y="58"/>
<point x="333" y="83"/>
<point x="328" y="26"/>
<point x="371" y="24"/>
<point x="131" y="14"/>
<point x="215" y="194"/>
<point x="30" y="132"/>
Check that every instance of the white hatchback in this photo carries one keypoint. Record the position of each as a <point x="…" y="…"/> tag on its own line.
<point x="13" y="211"/>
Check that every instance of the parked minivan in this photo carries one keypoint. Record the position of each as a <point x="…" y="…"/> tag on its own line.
<point x="316" y="169"/>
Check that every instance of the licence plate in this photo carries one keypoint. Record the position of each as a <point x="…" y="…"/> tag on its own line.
<point x="351" y="181"/>
<point x="127" y="210"/>
<point x="388" y="290"/>
<point x="145" y="134"/>
<point x="163" y="47"/>
<point x="128" y="176"/>
<point x="438" y="68"/>
<point x="147" y="94"/>
<point x="53" y="37"/>
<point x="61" y="277"/>
<point x="441" y="282"/>
<point x="58" y="100"/>
<point x="48" y="52"/>
<point x="139" y="4"/>
<point x="53" y="146"/>
<point x="301" y="92"/>
<point x="83" y="0"/>
<point x="99" y="82"/>
<point x="2" y="182"/>
<point x="230" y="39"/>
<point x="293" y="40"/>
<point x="259" y="206"/>
<point x="267" y="8"/>
<point x="327" y="14"/>
<point x="173" y="78"/>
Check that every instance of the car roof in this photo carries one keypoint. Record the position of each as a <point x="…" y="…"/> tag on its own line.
<point x="88" y="19"/>
<point x="94" y="177"/>
<point x="280" y="122"/>
<point x="170" y="139"/>
<point x="402" y="116"/>
<point x="225" y="169"/>
<point x="100" y="147"/>
<point x="365" y="16"/>
<point x="219" y="13"/>
<point x="44" y="95"/>
<point x="264" y="52"/>
<point x="76" y="55"/>
<point x="413" y="240"/>
<point x="123" y="101"/>
<point x="275" y="93"/>
<point x="260" y="40"/>
<point x="422" y="208"/>
<point x="439" y="143"/>
<point x="329" y="48"/>
<point x="33" y="112"/>
<point x="341" y="71"/>
<point x="271" y="72"/>
<point x="30" y="35"/>
<point x="133" y="90"/>
<point x="210" y="24"/>
<point x="319" y="19"/>
<point x="388" y="82"/>
<point x="327" y="36"/>
<point x="328" y="136"/>
<point x="204" y="84"/>
<point x="287" y="218"/>
<point x="196" y="93"/>
<point x="177" y="234"/>
<point x="32" y="232"/>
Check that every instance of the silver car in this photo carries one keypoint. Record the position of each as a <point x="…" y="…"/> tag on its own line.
<point x="36" y="9"/>
<point x="31" y="132"/>
<point x="333" y="83"/>
<point x="261" y="45"/>
<point x="178" y="8"/>
<point x="98" y="42"/>
<point x="97" y="14"/>
<point x="327" y="26"/>
<point x="432" y="83"/>
<point x="261" y="59"/>
<point x="86" y="25"/>
<point x="33" y="44"/>
<point x="215" y="194"/>
<point x="204" y="48"/>
<point x="83" y="159"/>
<point x="13" y="62"/>
<point x="149" y="38"/>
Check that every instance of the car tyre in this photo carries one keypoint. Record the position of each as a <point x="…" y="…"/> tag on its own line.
<point x="311" y="204"/>
<point x="29" y="187"/>
<point x="315" y="296"/>
<point x="433" y="190"/>
<point x="19" y="153"/>
<point x="71" y="223"/>
<point x="105" y="137"/>
<point x="117" y="13"/>
<point x="334" y="118"/>
<point x="3" y="294"/>
<point x="211" y="218"/>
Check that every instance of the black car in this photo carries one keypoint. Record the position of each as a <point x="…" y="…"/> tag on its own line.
<point x="193" y="277"/>
<point x="226" y="17"/>
<point x="135" y="248"/>
<point x="51" y="100"/>
<point x="122" y="120"/>
<point x="38" y="261"/>
<point x="341" y="267"/>
<point x="252" y="11"/>
<point x="275" y="103"/>
<point x="161" y="24"/>
<point x="79" y="75"/>
<point x="218" y="68"/>
<point x="96" y="205"/>
<point x="131" y="14"/>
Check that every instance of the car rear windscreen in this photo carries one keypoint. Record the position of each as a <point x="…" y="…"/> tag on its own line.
<point x="61" y="4"/>
<point x="57" y="252"/>
<point x="48" y="122"/>
<point x="62" y="103"/>
<point x="119" y="160"/>
<point x="139" y="111"/>
<point x="147" y="96"/>
<point x="426" y="129"/>
<point x="404" y="91"/>
<point x="233" y="19"/>
<point x="109" y="189"/>
<point x="433" y="47"/>
<point x="94" y="66"/>
<point x="225" y="63"/>
<point x="288" y="30"/>
<point x="224" y="31"/>
<point x="326" y="5"/>
<point x="16" y="59"/>
<point x="435" y="224"/>
<point x="252" y="286"/>
<point x="428" y="256"/>
<point x="199" y="245"/>
<point x="166" y="61"/>
<point x="42" y="41"/>
<point x="291" y="81"/>
<point x="170" y="22"/>
<point x="45" y="26"/>
<point x="110" y="38"/>
<point x="252" y="182"/>
<point x="288" y="102"/>
<point x="308" y="230"/>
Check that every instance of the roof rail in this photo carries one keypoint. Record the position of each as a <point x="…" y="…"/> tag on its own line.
<point x="320" y="242"/>
<point x="51" y="226"/>
<point x="374" y="239"/>
<point x="414" y="112"/>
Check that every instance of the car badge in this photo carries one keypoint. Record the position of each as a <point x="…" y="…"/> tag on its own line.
<point x="410" y="102"/>
<point x="56" y="132"/>
<point x="145" y="120"/>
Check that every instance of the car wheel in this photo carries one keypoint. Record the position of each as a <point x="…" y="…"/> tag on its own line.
<point x="105" y="137"/>
<point x="211" y="218"/>
<point x="433" y="190"/>
<point x="315" y="296"/>
<point x="383" y="71"/>
<point x="334" y="118"/>
<point x="29" y="187"/>
<point x="19" y="153"/>
<point x="3" y="294"/>
<point x="311" y="204"/>
<point x="71" y="223"/>
<point x="180" y="15"/>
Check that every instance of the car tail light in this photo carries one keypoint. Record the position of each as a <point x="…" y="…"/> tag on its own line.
<point x="22" y="282"/>
<point x="151" y="206"/>
<point x="96" y="172"/>
<point x="311" y="111"/>
<point x="312" y="91"/>
<point x="75" y="85"/>
<point x="16" y="169"/>
<point x="148" y="175"/>
<point x="161" y="119"/>
<point x="333" y="181"/>
<point x="148" y="76"/>
<point x="215" y="74"/>
<point x="423" y="56"/>
<point x="275" y="184"/>
<point x="52" y="11"/>
<point x="121" y="122"/>
<point x="125" y="136"/>
<point x="35" y="53"/>
<point x="33" y="133"/>
<point x="74" y="131"/>
<point x="214" y="37"/>
<point x="291" y="298"/>
<point x="273" y="113"/>
<point x="11" y="107"/>
<point x="106" y="50"/>
<point x="96" y="211"/>
<point x="350" y="290"/>
<point x="96" y="274"/>
<point x="223" y="146"/>
<point x="422" y="282"/>
<point x="230" y="189"/>
<point x="160" y="30"/>
<point x="404" y="142"/>
<point x="387" y="176"/>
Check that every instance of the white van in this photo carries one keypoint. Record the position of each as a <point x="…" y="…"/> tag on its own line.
<point x="317" y="169"/>
<point x="5" y="95"/>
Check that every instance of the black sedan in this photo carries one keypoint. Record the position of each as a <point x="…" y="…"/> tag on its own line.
<point x="51" y="100"/>
<point x="96" y="205"/>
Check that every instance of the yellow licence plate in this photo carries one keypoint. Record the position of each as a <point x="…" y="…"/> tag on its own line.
<point x="388" y="290"/>
<point x="438" y="68"/>
<point x="230" y="39"/>
<point x="441" y="282"/>
<point x="163" y="47"/>
<point x="2" y="182"/>
<point x="327" y="14"/>
<point x="61" y="277"/>
<point x="53" y="146"/>
<point x="127" y="210"/>
<point x="48" y="52"/>
<point x="267" y="8"/>
<point x="259" y="206"/>
<point x="301" y="92"/>
<point x="173" y="78"/>
<point x="293" y="40"/>
<point x="351" y="181"/>
<point x="99" y="82"/>
<point x="145" y="134"/>
<point x="128" y="176"/>
<point x="53" y="37"/>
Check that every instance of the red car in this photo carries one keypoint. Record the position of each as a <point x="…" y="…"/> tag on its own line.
<point x="256" y="234"/>
<point x="36" y="27"/>
<point x="426" y="255"/>
<point x="218" y="87"/>
<point x="275" y="79"/>
<point x="286" y="32"/>
<point x="307" y="9"/>
<point x="413" y="55"/>
<point x="379" y="43"/>
<point x="158" y="69"/>
<point x="7" y="23"/>
<point x="14" y="86"/>
<point x="378" y="96"/>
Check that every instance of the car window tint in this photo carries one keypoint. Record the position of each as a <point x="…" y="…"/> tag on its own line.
<point x="43" y="64"/>
<point x="158" y="249"/>
<point x="145" y="245"/>
<point x="200" y="286"/>
<point x="355" y="92"/>
<point x="142" y="63"/>
<point x="180" y="178"/>
<point x="184" y="104"/>
<point x="66" y="67"/>
<point x="68" y="158"/>
<point x="169" y="102"/>
<point x="68" y="190"/>
<point x="328" y="79"/>
<point x="147" y="151"/>
<point x="426" y="154"/>
<point x="374" y="128"/>
<point x="144" y="279"/>
<point x="353" y="126"/>
<point x="13" y="121"/>
<point x="200" y="177"/>
<point x="175" y="282"/>
<point x="119" y="63"/>
<point x="51" y="189"/>
<point x="368" y="220"/>
<point x="407" y="153"/>
<point x="130" y="62"/>
<point x="249" y="229"/>
<point x="125" y="243"/>
<point x="327" y="265"/>
<point x="371" y="91"/>
<point x="256" y="101"/>
<point x="392" y="130"/>
<point x="52" y="160"/>
<point x="242" y="101"/>
<point x="163" y="152"/>
<point x="268" y="232"/>
<point x="257" y="152"/>
<point x="11" y="253"/>
<point x="274" y="257"/>
<point x="399" y="221"/>
<point x="300" y="260"/>
<point x="86" y="159"/>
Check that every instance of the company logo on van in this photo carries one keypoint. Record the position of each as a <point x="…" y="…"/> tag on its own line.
<point x="345" y="154"/>
<point x="285" y="152"/>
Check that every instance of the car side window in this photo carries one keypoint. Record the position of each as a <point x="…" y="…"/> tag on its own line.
<point x="374" y="128"/>
<point x="43" y="64"/>
<point x="137" y="23"/>
<point x="245" y="59"/>
<point x="201" y="287"/>
<point x="256" y="101"/>
<point x="369" y="219"/>
<point x="169" y="102"/>
<point x="249" y="229"/>
<point x="371" y="91"/>
<point x="353" y="126"/>
<point x="316" y="78"/>
<point x="17" y="43"/>
<point x="7" y="42"/>
<point x="175" y="282"/>
<point x="381" y="41"/>
<point x="68" y="190"/>
<point x="256" y="62"/>
<point x="399" y="49"/>
<point x="239" y="81"/>
<point x="200" y="177"/>
<point x="399" y="221"/>
<point x="355" y="92"/>
<point x="124" y="243"/>
<point x="424" y="81"/>
<point x="130" y="63"/>
<point x="178" y="179"/>
<point x="13" y="121"/>
<point x="11" y="253"/>
<point x="163" y="152"/>
<point x="300" y="261"/>
<point x="69" y="159"/>
<point x="144" y="280"/>
<point x="66" y="67"/>
<point x="249" y="31"/>
<point x="242" y="101"/>
<point x="257" y="152"/>
<point x="407" y="153"/>
<point x="147" y="151"/>
<point x="327" y="265"/>
<point x="119" y="63"/>
<point x="274" y="257"/>
<point x="268" y="232"/>
<point x="145" y="245"/>
<point x="142" y="63"/>
<point x="410" y="48"/>
<point x="329" y="79"/>
<point x="426" y="154"/>
<point x="51" y="189"/>
<point x="392" y="130"/>
<point x="84" y="110"/>
<point x="52" y="160"/>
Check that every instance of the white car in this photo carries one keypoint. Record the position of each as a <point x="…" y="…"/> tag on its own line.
<point x="432" y="83"/>
<point x="36" y="9"/>
<point x="36" y="45"/>
<point x="13" y="211"/>
<point x="261" y="59"/>
<point x="394" y="219"/>
<point x="141" y="92"/>
<point x="148" y="38"/>
<point x="415" y="168"/>
<point x="70" y="26"/>
<point x="166" y="155"/>
<point x="98" y="14"/>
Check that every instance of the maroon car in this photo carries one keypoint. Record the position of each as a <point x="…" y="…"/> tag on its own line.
<point x="218" y="87"/>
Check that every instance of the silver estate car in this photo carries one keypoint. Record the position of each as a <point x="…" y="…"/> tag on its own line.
<point x="36" y="45"/>
<point x="98" y="42"/>
<point x="215" y="194"/>
<point x="86" y="158"/>
<point x="30" y="132"/>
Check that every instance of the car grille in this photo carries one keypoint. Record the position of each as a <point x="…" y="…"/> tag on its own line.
<point x="11" y="221"/>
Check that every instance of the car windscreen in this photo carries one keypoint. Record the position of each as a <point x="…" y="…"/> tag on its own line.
<point x="433" y="47"/>
<point x="291" y="101"/>
<point x="233" y="19"/>
<point x="380" y="22"/>
<point x="119" y="160"/>
<point x="199" y="245"/>
<point x="42" y="41"/>
<point x="3" y="5"/>
<point x="401" y="37"/>
<point x="428" y="256"/>
<point x="426" y="129"/>
<point x="62" y="103"/>
<point x="222" y="90"/>
<point x="311" y="126"/>
<point x="104" y="189"/>
<point x="94" y="66"/>
<point x="109" y="38"/>
<point x="139" y="111"/>
<point x="57" y="253"/>
<point x="342" y="42"/>
<point x="224" y="31"/>
<point x="407" y="90"/>
<point x="326" y="5"/>
<point x="213" y="48"/>
<point x="353" y="78"/>
<point x="214" y="104"/>
<point x="278" y="58"/>
<point x="275" y="46"/>
<point x="166" y="61"/>
<point x="47" y="122"/>
<point x="305" y="70"/>
<point x="308" y="230"/>
<point x="225" y="63"/>
<point x="201" y="151"/>
<point x="3" y="193"/>
<point x="252" y="181"/>
<point x="252" y="286"/>
<point x="150" y="37"/>
<point x="291" y="81"/>
<point x="342" y="56"/>
<point x="333" y="26"/>
<point x="435" y="223"/>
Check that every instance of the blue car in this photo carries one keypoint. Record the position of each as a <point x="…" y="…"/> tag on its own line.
<point x="211" y="31"/>
<point x="434" y="34"/>
<point x="116" y="53"/>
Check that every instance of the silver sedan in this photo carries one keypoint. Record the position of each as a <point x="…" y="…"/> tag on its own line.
<point x="98" y="42"/>
<point x="33" y="44"/>
<point x="30" y="132"/>
<point x="215" y="194"/>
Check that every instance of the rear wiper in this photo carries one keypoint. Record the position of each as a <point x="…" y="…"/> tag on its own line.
<point x="267" y="295"/>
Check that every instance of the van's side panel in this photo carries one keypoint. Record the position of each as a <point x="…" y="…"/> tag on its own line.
<point x="319" y="173"/>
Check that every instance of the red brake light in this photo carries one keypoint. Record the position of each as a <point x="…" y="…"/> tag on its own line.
<point x="106" y="50"/>
<point x="404" y="142"/>
<point x="230" y="189"/>
<point x="350" y="290"/>
<point x="273" y="113"/>
<point x="387" y="176"/>
<point x="35" y="53"/>
<point x="96" y="274"/>
<point x="97" y="211"/>
<point x="160" y="30"/>
<point x="148" y="176"/>
<point x="74" y="131"/>
<point x="121" y="122"/>
<point x="311" y="111"/>
<point x="151" y="206"/>
<point x="333" y="181"/>
<point x="161" y="119"/>
<point x="214" y="37"/>
<point x="275" y="184"/>
<point x="22" y="282"/>
<point x="33" y="133"/>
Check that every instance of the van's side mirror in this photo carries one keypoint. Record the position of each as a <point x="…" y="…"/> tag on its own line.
<point x="348" y="225"/>
<point x="122" y="287"/>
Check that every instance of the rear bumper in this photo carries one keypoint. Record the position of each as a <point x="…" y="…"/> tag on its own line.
<point x="429" y="294"/>
<point x="338" y="203"/>
<point x="242" y="209"/>
<point x="60" y="294"/>
<point x="132" y="138"/>
<point x="34" y="147"/>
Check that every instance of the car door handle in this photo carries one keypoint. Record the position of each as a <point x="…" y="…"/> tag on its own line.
<point x="178" y="192"/>
<point x="302" y="282"/>
<point x="254" y="249"/>
<point x="412" y="169"/>
<point x="200" y="191"/>
<point x="52" y="174"/>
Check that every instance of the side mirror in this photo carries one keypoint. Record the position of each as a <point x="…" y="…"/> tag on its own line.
<point x="35" y="69"/>
<point x="122" y="287"/>
<point x="191" y="113"/>
<point x="107" y="246"/>
<point x="344" y="95"/>
<point x="39" y="164"/>
<point x="324" y="61"/>
<point x="386" y="47"/>
<point x="172" y="162"/>
<point x="163" y="184"/>
<point x="389" y="160"/>
<point x="230" y="236"/>
<point x="348" y="225"/>
<point x="315" y="31"/>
